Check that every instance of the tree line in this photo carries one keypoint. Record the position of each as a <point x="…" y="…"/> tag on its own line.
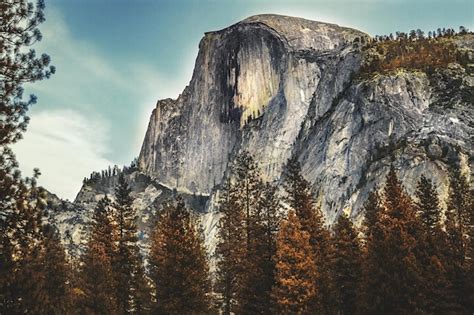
<point x="274" y="255"/>
<point x="414" y="50"/>
<point x="409" y="256"/>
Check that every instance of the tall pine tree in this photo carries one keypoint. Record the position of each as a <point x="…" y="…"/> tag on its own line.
<point x="459" y="229"/>
<point x="392" y="269"/>
<point x="260" y="265"/>
<point x="237" y="229"/>
<point x="428" y="204"/>
<point x="132" y="294"/>
<point x="346" y="266"/>
<point x="230" y="249"/>
<point x="372" y="210"/>
<point x="299" y="198"/>
<point x="295" y="289"/>
<point x="178" y="264"/>
<point x="21" y="271"/>
<point x="56" y="273"/>
<point x="98" y="283"/>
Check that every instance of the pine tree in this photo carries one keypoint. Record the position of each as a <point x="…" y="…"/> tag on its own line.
<point x="299" y="199"/>
<point x="346" y="265"/>
<point x="23" y="287"/>
<point x="230" y="249"/>
<point x="239" y="206"/>
<point x="98" y="283"/>
<point x="20" y="232"/>
<point x="178" y="264"/>
<point x="393" y="272"/>
<point x="428" y="204"/>
<point x="127" y="263"/>
<point x="56" y="273"/>
<point x="439" y="297"/>
<point x="20" y="64"/>
<point x="372" y="209"/>
<point x="259" y="261"/>
<point x="459" y="229"/>
<point x="295" y="289"/>
<point x="247" y="182"/>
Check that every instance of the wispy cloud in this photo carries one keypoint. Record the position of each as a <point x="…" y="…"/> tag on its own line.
<point x="66" y="146"/>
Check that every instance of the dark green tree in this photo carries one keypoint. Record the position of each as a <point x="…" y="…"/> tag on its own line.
<point x="373" y="209"/>
<point x="346" y="265"/>
<point x="428" y="204"/>
<point x="20" y="220"/>
<point x="127" y="262"/>
<point x="230" y="249"/>
<point x="260" y="265"/>
<point x="56" y="273"/>
<point x="459" y="230"/>
<point x="439" y="296"/>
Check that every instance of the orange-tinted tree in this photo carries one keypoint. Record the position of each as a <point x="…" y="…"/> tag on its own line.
<point x="295" y="289"/>
<point x="300" y="199"/>
<point x="178" y="264"/>
<point x="96" y="275"/>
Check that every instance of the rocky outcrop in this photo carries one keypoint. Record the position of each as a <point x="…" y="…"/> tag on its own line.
<point x="73" y="218"/>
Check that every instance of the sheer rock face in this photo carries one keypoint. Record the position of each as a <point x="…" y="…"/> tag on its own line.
<point x="252" y="86"/>
<point x="277" y="86"/>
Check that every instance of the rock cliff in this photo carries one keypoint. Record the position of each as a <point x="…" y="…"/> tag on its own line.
<point x="279" y="86"/>
<point x="276" y="86"/>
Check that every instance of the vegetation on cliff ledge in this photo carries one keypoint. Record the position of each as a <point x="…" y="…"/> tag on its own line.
<point x="414" y="51"/>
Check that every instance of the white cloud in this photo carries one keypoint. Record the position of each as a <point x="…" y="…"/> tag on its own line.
<point x="66" y="146"/>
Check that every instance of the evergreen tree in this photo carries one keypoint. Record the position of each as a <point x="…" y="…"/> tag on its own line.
<point x="248" y="189"/>
<point x="439" y="297"/>
<point x="56" y="273"/>
<point x="239" y="207"/>
<point x="178" y="264"/>
<point x="459" y="229"/>
<point x="20" y="221"/>
<point x="393" y="272"/>
<point x="230" y="249"/>
<point x="23" y="286"/>
<point x="98" y="283"/>
<point x="19" y="63"/>
<point x="247" y="182"/>
<point x="127" y="262"/>
<point x="372" y="209"/>
<point x="295" y="288"/>
<point x="346" y="268"/>
<point x="459" y="202"/>
<point x="299" y="198"/>
<point x="259" y="261"/>
<point x="428" y="204"/>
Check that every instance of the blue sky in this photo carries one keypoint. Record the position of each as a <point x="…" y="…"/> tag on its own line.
<point x="115" y="58"/>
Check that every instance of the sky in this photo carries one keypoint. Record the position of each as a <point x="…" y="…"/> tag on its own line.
<point x="116" y="58"/>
